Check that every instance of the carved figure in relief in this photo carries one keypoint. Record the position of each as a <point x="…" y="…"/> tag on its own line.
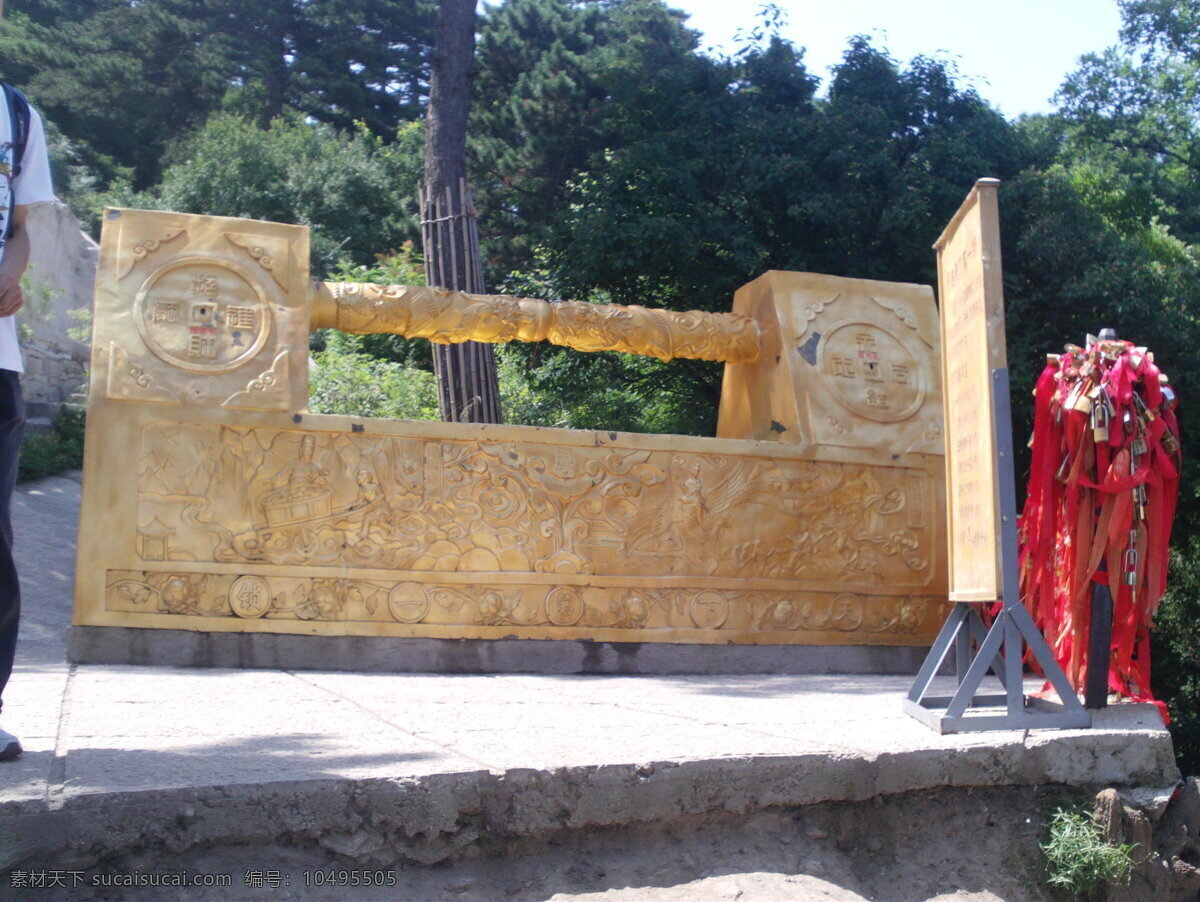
<point x="691" y="513"/>
<point x="372" y="502"/>
<point x="688" y="523"/>
<point x="301" y="489"/>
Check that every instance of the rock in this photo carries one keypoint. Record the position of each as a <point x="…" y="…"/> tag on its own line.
<point x="61" y="275"/>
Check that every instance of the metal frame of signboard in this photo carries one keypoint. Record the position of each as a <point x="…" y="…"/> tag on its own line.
<point x="978" y="649"/>
<point x="1000" y="648"/>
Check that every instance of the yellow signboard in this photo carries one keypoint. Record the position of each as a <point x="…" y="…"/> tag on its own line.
<point x="972" y="308"/>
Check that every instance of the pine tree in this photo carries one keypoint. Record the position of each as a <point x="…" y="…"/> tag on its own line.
<point x="467" y="387"/>
<point x="126" y="79"/>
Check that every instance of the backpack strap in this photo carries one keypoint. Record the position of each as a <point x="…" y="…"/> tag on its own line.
<point x="18" y="117"/>
<point x="18" y="113"/>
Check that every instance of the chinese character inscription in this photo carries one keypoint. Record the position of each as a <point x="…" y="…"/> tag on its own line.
<point x="206" y="318"/>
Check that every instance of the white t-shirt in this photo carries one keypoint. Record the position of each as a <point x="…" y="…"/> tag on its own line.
<point x="32" y="186"/>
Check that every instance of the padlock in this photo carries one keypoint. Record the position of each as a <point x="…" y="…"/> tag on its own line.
<point x="1107" y="401"/>
<point x="1129" y="567"/>
<point x="1099" y="424"/>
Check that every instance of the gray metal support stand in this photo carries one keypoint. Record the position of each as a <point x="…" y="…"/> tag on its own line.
<point x="1000" y="650"/>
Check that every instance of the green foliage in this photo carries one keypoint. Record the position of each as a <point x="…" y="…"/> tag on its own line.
<point x="338" y="61"/>
<point x="1079" y="863"/>
<point x="127" y="80"/>
<point x="1175" y="651"/>
<point x="556" y="81"/>
<point x="344" y="380"/>
<point x="374" y="375"/>
<point x="696" y="175"/>
<point x="1131" y="110"/>
<point x="48" y="453"/>
<point x="121" y="78"/>
<point x="353" y="190"/>
<point x="605" y="391"/>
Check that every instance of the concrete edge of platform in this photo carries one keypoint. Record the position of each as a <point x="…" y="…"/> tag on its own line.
<point x="426" y="820"/>
<point x="187" y="648"/>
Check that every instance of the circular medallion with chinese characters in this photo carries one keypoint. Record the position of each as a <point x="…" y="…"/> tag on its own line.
<point x="408" y="602"/>
<point x="250" y="597"/>
<point x="709" y="610"/>
<point x="564" y="606"/>
<point x="203" y="316"/>
<point x="846" y="612"/>
<point x="871" y="372"/>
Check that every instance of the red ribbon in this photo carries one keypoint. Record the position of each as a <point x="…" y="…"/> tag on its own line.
<point x="1077" y="528"/>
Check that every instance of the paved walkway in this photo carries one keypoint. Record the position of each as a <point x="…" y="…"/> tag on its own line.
<point x="259" y="754"/>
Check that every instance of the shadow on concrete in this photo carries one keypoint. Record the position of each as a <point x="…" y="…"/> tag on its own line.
<point x="258" y="760"/>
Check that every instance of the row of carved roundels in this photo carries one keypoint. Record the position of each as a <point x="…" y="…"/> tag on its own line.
<point x="564" y="606"/>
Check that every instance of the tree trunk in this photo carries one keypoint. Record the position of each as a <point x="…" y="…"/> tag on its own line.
<point x="466" y="373"/>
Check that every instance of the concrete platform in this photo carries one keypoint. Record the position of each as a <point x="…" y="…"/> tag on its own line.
<point x="125" y="762"/>
<point x="154" y="756"/>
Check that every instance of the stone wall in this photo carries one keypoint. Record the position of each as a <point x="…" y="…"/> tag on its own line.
<point x="61" y="276"/>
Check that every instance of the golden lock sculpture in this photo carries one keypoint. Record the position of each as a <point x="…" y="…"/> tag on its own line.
<point x="214" y="501"/>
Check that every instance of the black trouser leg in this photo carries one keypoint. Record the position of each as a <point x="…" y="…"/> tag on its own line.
<point x="12" y="429"/>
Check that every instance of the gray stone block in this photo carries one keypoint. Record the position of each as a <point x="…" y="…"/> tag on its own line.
<point x="185" y="648"/>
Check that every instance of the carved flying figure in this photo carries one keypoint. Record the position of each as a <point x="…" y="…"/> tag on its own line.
<point x="695" y="517"/>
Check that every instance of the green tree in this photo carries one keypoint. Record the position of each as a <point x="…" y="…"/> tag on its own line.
<point x="355" y="192"/>
<point x="1129" y="115"/>
<point x="339" y="61"/>
<point x="120" y="78"/>
<point x="556" y="79"/>
<point x="127" y="79"/>
<point x="720" y="170"/>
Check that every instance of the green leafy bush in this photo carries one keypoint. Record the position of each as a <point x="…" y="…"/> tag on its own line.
<point x="1175" y="652"/>
<point x="355" y="192"/>
<point x="47" y="453"/>
<point x="1079" y="863"/>
<point x="345" y="380"/>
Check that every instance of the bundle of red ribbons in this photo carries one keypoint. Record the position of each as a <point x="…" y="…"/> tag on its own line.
<point x="1103" y="482"/>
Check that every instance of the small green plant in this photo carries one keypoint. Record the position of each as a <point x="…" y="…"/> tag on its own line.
<point x="47" y="453"/>
<point x="1079" y="863"/>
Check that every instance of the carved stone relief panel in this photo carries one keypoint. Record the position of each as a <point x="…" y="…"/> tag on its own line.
<point x="284" y="497"/>
<point x="518" y="608"/>
<point x="199" y="310"/>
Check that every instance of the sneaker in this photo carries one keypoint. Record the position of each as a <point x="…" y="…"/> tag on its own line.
<point x="10" y="746"/>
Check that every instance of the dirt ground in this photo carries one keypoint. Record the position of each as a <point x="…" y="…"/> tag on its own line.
<point x="949" y="846"/>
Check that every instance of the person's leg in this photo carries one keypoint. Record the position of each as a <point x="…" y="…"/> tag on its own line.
<point x="12" y="428"/>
